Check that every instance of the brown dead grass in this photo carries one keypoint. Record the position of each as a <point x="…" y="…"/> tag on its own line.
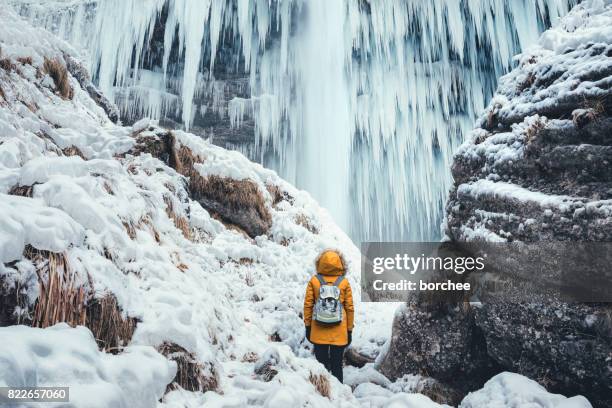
<point x="305" y="222"/>
<point x="236" y="194"/>
<point x="250" y="357"/>
<point x="527" y="83"/>
<point x="7" y="64"/>
<point x="278" y="194"/>
<point x="191" y="374"/>
<point x="58" y="72"/>
<point x="110" y="327"/>
<point x="22" y="191"/>
<point x="180" y="222"/>
<point x="321" y="384"/>
<point x="227" y="198"/>
<point x="533" y="130"/>
<point x="130" y="229"/>
<point x="146" y="222"/>
<point x="61" y="298"/>
<point x="74" y="151"/>
<point x="25" y="60"/>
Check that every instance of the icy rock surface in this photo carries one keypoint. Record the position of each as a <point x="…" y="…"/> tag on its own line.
<point x="361" y="103"/>
<point x="536" y="168"/>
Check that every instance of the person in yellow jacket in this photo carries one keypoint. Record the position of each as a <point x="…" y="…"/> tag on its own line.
<point x="329" y="340"/>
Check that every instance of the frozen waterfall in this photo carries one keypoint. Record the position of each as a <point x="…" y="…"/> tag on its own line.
<point x="360" y="102"/>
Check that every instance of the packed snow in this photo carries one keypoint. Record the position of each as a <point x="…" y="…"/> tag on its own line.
<point x="32" y="357"/>
<point x="513" y="390"/>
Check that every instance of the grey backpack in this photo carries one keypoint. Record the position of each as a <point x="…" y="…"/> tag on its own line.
<point x="328" y="309"/>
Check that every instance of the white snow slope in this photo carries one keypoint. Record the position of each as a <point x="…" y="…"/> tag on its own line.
<point x="232" y="301"/>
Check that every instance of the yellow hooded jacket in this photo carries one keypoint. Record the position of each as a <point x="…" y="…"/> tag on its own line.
<point x="330" y="265"/>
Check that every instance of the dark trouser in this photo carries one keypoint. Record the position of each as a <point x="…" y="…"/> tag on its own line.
<point x="331" y="357"/>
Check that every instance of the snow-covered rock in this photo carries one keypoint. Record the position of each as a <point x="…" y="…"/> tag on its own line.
<point x="61" y="355"/>
<point x="537" y="165"/>
<point x="536" y="168"/>
<point x="514" y="390"/>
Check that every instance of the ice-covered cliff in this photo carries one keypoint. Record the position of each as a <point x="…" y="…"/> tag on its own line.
<point x="362" y="103"/>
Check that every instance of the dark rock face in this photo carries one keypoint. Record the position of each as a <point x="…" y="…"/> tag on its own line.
<point x="537" y="168"/>
<point x="81" y="74"/>
<point x="443" y="343"/>
<point x="219" y="93"/>
<point x="565" y="347"/>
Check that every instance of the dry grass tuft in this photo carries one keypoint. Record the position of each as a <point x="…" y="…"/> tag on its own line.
<point x="237" y="202"/>
<point x="250" y="357"/>
<point x="321" y="384"/>
<point x="58" y="72"/>
<point x="7" y="64"/>
<point x="74" y="151"/>
<point x="593" y="110"/>
<point x="278" y="195"/>
<point x="110" y="327"/>
<point x="23" y="191"/>
<point x="305" y="222"/>
<point x="533" y="130"/>
<point x="527" y="83"/>
<point x="266" y="372"/>
<point x="146" y="222"/>
<point x="61" y="297"/>
<point x="237" y="194"/>
<point x="230" y="199"/>
<point x="130" y="229"/>
<point x="25" y="60"/>
<point x="191" y="374"/>
<point x="180" y="222"/>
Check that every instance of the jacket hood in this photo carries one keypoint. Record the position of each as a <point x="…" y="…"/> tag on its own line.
<point x="330" y="262"/>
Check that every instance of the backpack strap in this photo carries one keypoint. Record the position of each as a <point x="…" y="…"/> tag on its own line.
<point x="321" y="279"/>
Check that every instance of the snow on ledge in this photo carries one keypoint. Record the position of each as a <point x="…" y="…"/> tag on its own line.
<point x="511" y="191"/>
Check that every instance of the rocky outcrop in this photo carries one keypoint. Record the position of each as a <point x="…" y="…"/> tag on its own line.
<point x="443" y="343"/>
<point x="536" y="168"/>
<point x="80" y="73"/>
<point x="240" y="203"/>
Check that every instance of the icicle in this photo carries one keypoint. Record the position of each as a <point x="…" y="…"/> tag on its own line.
<point x="361" y="103"/>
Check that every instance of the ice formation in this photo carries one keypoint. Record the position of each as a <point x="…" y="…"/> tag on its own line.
<point x="362" y="103"/>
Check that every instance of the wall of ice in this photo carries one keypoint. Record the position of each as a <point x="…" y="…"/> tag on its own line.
<point x="360" y="102"/>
